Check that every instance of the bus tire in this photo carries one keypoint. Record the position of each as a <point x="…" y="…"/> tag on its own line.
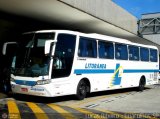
<point x="6" y="87"/>
<point x="81" y="90"/>
<point x="142" y="83"/>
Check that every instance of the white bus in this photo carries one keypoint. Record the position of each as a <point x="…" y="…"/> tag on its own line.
<point x="54" y="63"/>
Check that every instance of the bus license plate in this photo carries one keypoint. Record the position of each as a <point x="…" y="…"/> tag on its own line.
<point x="24" y="89"/>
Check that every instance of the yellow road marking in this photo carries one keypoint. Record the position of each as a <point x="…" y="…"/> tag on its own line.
<point x="88" y="100"/>
<point x="117" y="116"/>
<point x="13" y="110"/>
<point x="88" y="114"/>
<point x="63" y="112"/>
<point x="40" y="114"/>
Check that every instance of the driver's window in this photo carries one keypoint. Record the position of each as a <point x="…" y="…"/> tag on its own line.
<point x="57" y="63"/>
<point x="63" y="56"/>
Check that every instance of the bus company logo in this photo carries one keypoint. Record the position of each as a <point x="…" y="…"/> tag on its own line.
<point x="95" y="66"/>
<point x="37" y="89"/>
<point x="117" y="76"/>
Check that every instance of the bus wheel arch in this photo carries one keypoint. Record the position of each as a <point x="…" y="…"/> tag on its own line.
<point x="142" y="83"/>
<point x="82" y="89"/>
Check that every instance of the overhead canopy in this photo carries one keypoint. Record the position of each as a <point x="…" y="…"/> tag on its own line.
<point x="59" y="13"/>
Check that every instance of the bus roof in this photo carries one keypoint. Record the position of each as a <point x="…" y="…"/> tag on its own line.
<point x="96" y="36"/>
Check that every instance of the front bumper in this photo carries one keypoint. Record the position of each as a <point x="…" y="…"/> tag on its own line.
<point x="37" y="90"/>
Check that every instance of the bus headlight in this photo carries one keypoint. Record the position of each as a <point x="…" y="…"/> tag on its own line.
<point x="42" y="82"/>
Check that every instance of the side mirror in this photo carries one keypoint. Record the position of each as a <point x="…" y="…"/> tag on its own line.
<point x="48" y="44"/>
<point x="9" y="47"/>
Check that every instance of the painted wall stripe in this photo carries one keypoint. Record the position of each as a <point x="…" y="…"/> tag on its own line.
<point x="40" y="114"/>
<point x="13" y="110"/>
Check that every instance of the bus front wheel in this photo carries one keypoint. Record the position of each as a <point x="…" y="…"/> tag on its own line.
<point x="81" y="90"/>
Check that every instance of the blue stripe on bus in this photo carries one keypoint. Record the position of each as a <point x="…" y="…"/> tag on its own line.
<point x="28" y="83"/>
<point x="90" y="71"/>
<point x="139" y="70"/>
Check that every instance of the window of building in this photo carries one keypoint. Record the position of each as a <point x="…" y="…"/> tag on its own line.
<point x="106" y="50"/>
<point x="133" y="53"/>
<point x="153" y="55"/>
<point x="144" y="53"/>
<point x="87" y="47"/>
<point x="121" y="51"/>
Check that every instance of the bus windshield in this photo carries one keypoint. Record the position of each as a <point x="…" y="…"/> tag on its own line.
<point x="30" y="59"/>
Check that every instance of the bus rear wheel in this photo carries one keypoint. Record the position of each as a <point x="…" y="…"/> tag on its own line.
<point x="81" y="90"/>
<point x="142" y="83"/>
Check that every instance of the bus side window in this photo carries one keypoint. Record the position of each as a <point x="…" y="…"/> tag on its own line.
<point x="144" y="53"/>
<point x="87" y="47"/>
<point x="64" y="54"/>
<point x="121" y="51"/>
<point x="81" y="49"/>
<point x="133" y="53"/>
<point x="106" y="50"/>
<point x="153" y="55"/>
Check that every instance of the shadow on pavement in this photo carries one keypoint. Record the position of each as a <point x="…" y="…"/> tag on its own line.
<point x="37" y="99"/>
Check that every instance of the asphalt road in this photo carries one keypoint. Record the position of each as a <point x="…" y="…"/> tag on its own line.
<point x="125" y="103"/>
